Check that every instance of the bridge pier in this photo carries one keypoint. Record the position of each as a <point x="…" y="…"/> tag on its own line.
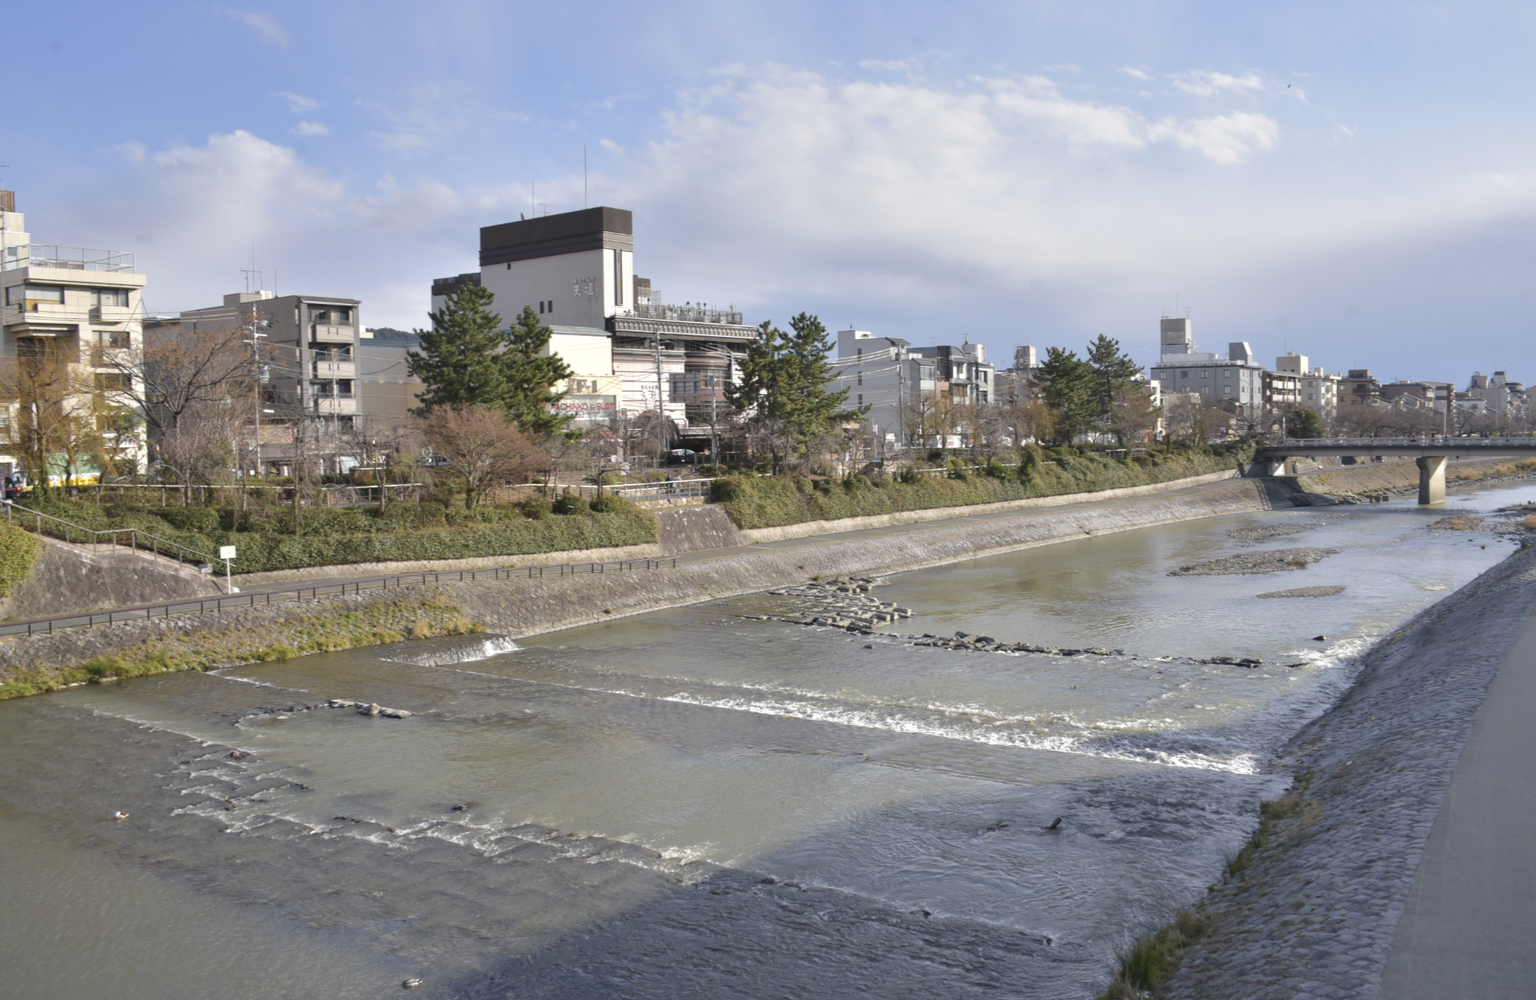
<point x="1431" y="478"/>
<point x="1274" y="466"/>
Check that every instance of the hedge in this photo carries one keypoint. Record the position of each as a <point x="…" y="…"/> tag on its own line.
<point x="405" y="532"/>
<point x="769" y="502"/>
<point x="18" y="553"/>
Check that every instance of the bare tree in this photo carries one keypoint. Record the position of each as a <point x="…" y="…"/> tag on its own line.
<point x="481" y="448"/>
<point x="1132" y="416"/>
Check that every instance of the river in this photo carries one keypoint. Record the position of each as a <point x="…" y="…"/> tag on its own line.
<point x="690" y="803"/>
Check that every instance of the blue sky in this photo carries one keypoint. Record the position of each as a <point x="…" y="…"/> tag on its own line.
<point x="1357" y="185"/>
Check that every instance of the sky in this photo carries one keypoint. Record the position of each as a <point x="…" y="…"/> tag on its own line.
<point x="1354" y="182"/>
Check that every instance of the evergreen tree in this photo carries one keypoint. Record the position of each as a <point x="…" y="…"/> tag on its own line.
<point x="1305" y="424"/>
<point x="529" y="375"/>
<point x="1071" y="389"/>
<point x="784" y="377"/>
<point x="458" y="360"/>
<point x="1112" y="370"/>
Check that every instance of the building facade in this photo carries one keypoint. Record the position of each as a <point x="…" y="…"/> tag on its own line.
<point x="1234" y="378"/>
<point x="80" y="309"/>
<point x="629" y="352"/>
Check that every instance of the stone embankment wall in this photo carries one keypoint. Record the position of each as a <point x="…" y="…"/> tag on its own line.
<point x="522" y="607"/>
<point x="1315" y="912"/>
<point x="73" y="578"/>
<point x="1388" y="475"/>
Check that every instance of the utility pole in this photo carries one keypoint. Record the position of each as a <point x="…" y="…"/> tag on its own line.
<point x="661" y="411"/>
<point x="714" y="437"/>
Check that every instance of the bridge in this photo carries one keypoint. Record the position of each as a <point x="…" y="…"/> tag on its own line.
<point x="1430" y="452"/>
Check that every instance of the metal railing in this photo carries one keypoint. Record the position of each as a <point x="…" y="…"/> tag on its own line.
<point x="1422" y="441"/>
<point x="70" y="258"/>
<point x="133" y="544"/>
<point x="47" y="626"/>
<point x="687" y="313"/>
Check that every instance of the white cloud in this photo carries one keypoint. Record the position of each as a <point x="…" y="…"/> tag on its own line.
<point x="890" y="65"/>
<point x="1225" y="139"/>
<point x="1136" y="74"/>
<point x="265" y="26"/>
<point x="310" y="128"/>
<point x="1206" y="84"/>
<point x="612" y="147"/>
<point x="298" y="103"/>
<point x="434" y="112"/>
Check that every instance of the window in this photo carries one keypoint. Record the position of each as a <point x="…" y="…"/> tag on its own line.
<point x="1205" y="374"/>
<point x="319" y="316"/>
<point x="29" y="294"/>
<point x="861" y="399"/>
<point x="111" y="382"/>
<point x="859" y="353"/>
<point x="1184" y="375"/>
<point x="109" y="297"/>
<point x="343" y="315"/>
<point x="618" y="278"/>
<point x="114" y="338"/>
<point x="1227" y="373"/>
<point x="861" y="378"/>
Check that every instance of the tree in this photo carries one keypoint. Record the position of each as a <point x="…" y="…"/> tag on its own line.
<point x="1132" y="417"/>
<point x="1071" y="387"/>
<point x="193" y="386"/>
<point x="481" y="447"/>
<point x="1305" y="424"/>
<point x="784" y="380"/>
<point x="529" y="374"/>
<point x="459" y="359"/>
<point x="1112" y="370"/>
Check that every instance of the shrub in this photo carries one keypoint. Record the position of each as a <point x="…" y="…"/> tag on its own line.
<point x="18" y="553"/>
<point x="533" y="508"/>
<point x="609" y="479"/>
<point x="613" y="505"/>
<point x="570" y="503"/>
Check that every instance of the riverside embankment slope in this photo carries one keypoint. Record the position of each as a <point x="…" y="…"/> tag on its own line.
<point x="520" y="607"/>
<point x="1317" y="912"/>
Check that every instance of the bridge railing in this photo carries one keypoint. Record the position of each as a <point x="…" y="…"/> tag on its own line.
<point x="1422" y="441"/>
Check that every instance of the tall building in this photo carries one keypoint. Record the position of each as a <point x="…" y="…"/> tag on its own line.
<point x="1235" y="378"/>
<point x="628" y="351"/>
<point x="883" y="374"/>
<point x="81" y="308"/>
<point x="310" y="345"/>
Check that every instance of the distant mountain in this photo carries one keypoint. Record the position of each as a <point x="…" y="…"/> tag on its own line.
<point x="390" y="333"/>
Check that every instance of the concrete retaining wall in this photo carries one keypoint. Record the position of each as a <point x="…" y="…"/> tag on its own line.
<point x="71" y="578"/>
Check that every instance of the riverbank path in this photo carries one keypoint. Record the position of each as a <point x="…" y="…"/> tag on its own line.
<point x="1468" y="927"/>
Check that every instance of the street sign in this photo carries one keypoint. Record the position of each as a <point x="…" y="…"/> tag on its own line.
<point x="226" y="552"/>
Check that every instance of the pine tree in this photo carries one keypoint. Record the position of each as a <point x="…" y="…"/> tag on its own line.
<point x="1071" y="387"/>
<point x="529" y="376"/>
<point x="458" y="360"/>
<point x="1112" y="370"/>
<point x="784" y="378"/>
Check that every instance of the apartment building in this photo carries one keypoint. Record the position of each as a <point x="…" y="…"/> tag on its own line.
<point x="1234" y="377"/>
<point x="81" y="308"/>
<point x="883" y="374"/>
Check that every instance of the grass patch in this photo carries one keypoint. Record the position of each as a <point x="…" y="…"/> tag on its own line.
<point x="1149" y="961"/>
<point x="280" y="638"/>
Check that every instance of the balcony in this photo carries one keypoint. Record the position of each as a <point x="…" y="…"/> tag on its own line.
<point x="326" y="367"/>
<point x="69" y="259"/>
<point x="341" y="404"/>
<point x="330" y="334"/>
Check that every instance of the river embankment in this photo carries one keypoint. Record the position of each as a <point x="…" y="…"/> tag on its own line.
<point x="1314" y="910"/>
<point x="522" y="606"/>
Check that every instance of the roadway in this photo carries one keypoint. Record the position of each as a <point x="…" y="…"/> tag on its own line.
<point x="1469" y="921"/>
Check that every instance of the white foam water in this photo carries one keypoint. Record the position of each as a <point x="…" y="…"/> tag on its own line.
<point x="482" y="649"/>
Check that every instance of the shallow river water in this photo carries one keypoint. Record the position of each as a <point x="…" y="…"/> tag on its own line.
<point x="687" y="803"/>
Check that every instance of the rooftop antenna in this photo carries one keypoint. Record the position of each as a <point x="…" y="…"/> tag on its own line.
<point x="252" y="272"/>
<point x="584" y="177"/>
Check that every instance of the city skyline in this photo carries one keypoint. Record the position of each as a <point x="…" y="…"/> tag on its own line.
<point x="1353" y="186"/>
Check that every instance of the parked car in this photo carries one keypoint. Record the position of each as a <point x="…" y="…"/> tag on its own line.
<point x="15" y="485"/>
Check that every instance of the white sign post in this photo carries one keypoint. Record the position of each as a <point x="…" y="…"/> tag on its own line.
<point x="227" y="553"/>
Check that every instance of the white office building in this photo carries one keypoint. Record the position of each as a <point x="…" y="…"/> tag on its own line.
<point x="1234" y="377"/>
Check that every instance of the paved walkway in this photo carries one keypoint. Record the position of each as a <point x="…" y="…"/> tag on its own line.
<point x="1469" y="925"/>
